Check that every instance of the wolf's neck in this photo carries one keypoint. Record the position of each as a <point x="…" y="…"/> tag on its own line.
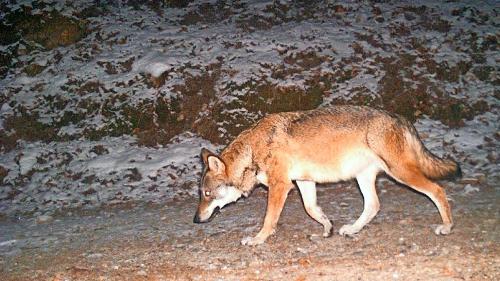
<point x="240" y="167"/>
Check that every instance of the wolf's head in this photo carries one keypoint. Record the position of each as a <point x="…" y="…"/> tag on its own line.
<point x="216" y="189"/>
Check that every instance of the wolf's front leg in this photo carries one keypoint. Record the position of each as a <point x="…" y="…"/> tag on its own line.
<point x="275" y="202"/>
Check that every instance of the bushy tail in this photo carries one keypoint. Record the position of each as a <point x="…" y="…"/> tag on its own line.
<point x="434" y="167"/>
<point x="431" y="165"/>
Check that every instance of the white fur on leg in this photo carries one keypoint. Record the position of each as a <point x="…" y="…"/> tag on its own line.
<point x="366" y="182"/>
<point x="252" y="241"/>
<point x="308" y="193"/>
<point x="443" y="229"/>
<point x="258" y="239"/>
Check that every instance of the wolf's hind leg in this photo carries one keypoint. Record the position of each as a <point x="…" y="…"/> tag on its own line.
<point x="366" y="182"/>
<point x="308" y="193"/>
<point x="416" y="180"/>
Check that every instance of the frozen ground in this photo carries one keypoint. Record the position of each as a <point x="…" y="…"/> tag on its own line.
<point x="101" y="124"/>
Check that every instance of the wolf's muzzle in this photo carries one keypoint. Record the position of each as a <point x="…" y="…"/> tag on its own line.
<point x="197" y="219"/>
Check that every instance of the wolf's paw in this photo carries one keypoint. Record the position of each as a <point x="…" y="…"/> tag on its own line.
<point x="328" y="231"/>
<point x="443" y="229"/>
<point x="348" y="230"/>
<point x="252" y="241"/>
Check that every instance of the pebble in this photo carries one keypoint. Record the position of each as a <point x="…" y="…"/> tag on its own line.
<point x="492" y="156"/>
<point x="414" y="248"/>
<point x="404" y="221"/>
<point x="44" y="219"/>
<point x="301" y="250"/>
<point x="481" y="177"/>
<point x="469" y="180"/>
<point x="343" y="204"/>
<point x="142" y="273"/>
<point x="314" y="238"/>
<point x="254" y="263"/>
<point x="445" y="251"/>
<point x="470" y="189"/>
<point x="430" y="253"/>
<point x="95" y="256"/>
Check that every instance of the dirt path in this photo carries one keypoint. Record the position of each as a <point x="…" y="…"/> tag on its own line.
<point x="162" y="243"/>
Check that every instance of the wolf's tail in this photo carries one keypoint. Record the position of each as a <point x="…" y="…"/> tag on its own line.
<point x="431" y="165"/>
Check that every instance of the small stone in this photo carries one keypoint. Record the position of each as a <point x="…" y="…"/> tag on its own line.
<point x="473" y="161"/>
<point x="469" y="180"/>
<point x="343" y="204"/>
<point x="414" y="248"/>
<point x="404" y="221"/>
<point x="44" y="219"/>
<point x="492" y="156"/>
<point x="481" y="177"/>
<point x="430" y="253"/>
<point x="142" y="273"/>
<point x="401" y="241"/>
<point x="445" y="251"/>
<point x="22" y="50"/>
<point x="314" y="238"/>
<point x="95" y="256"/>
<point x="470" y="189"/>
<point x="301" y="250"/>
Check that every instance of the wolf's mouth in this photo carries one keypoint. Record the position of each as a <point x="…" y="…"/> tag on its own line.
<point x="196" y="218"/>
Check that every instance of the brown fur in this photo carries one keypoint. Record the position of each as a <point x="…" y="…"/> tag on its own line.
<point x="328" y="145"/>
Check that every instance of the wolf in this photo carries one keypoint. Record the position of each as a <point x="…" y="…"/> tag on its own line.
<point x="322" y="146"/>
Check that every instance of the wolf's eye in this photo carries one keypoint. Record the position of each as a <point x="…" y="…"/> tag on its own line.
<point x="207" y="193"/>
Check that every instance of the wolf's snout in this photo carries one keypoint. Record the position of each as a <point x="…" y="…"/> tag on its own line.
<point x="197" y="218"/>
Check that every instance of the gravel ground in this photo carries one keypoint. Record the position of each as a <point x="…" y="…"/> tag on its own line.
<point x="154" y="242"/>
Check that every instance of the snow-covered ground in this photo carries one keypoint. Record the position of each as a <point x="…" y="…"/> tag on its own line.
<point x="73" y="131"/>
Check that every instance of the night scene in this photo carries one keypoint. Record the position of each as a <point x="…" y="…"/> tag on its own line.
<point x="249" y="140"/>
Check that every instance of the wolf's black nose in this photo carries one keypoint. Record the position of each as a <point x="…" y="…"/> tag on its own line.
<point x="196" y="218"/>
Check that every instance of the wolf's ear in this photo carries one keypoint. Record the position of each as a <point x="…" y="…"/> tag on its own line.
<point x="215" y="164"/>
<point x="212" y="161"/>
<point x="204" y="155"/>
